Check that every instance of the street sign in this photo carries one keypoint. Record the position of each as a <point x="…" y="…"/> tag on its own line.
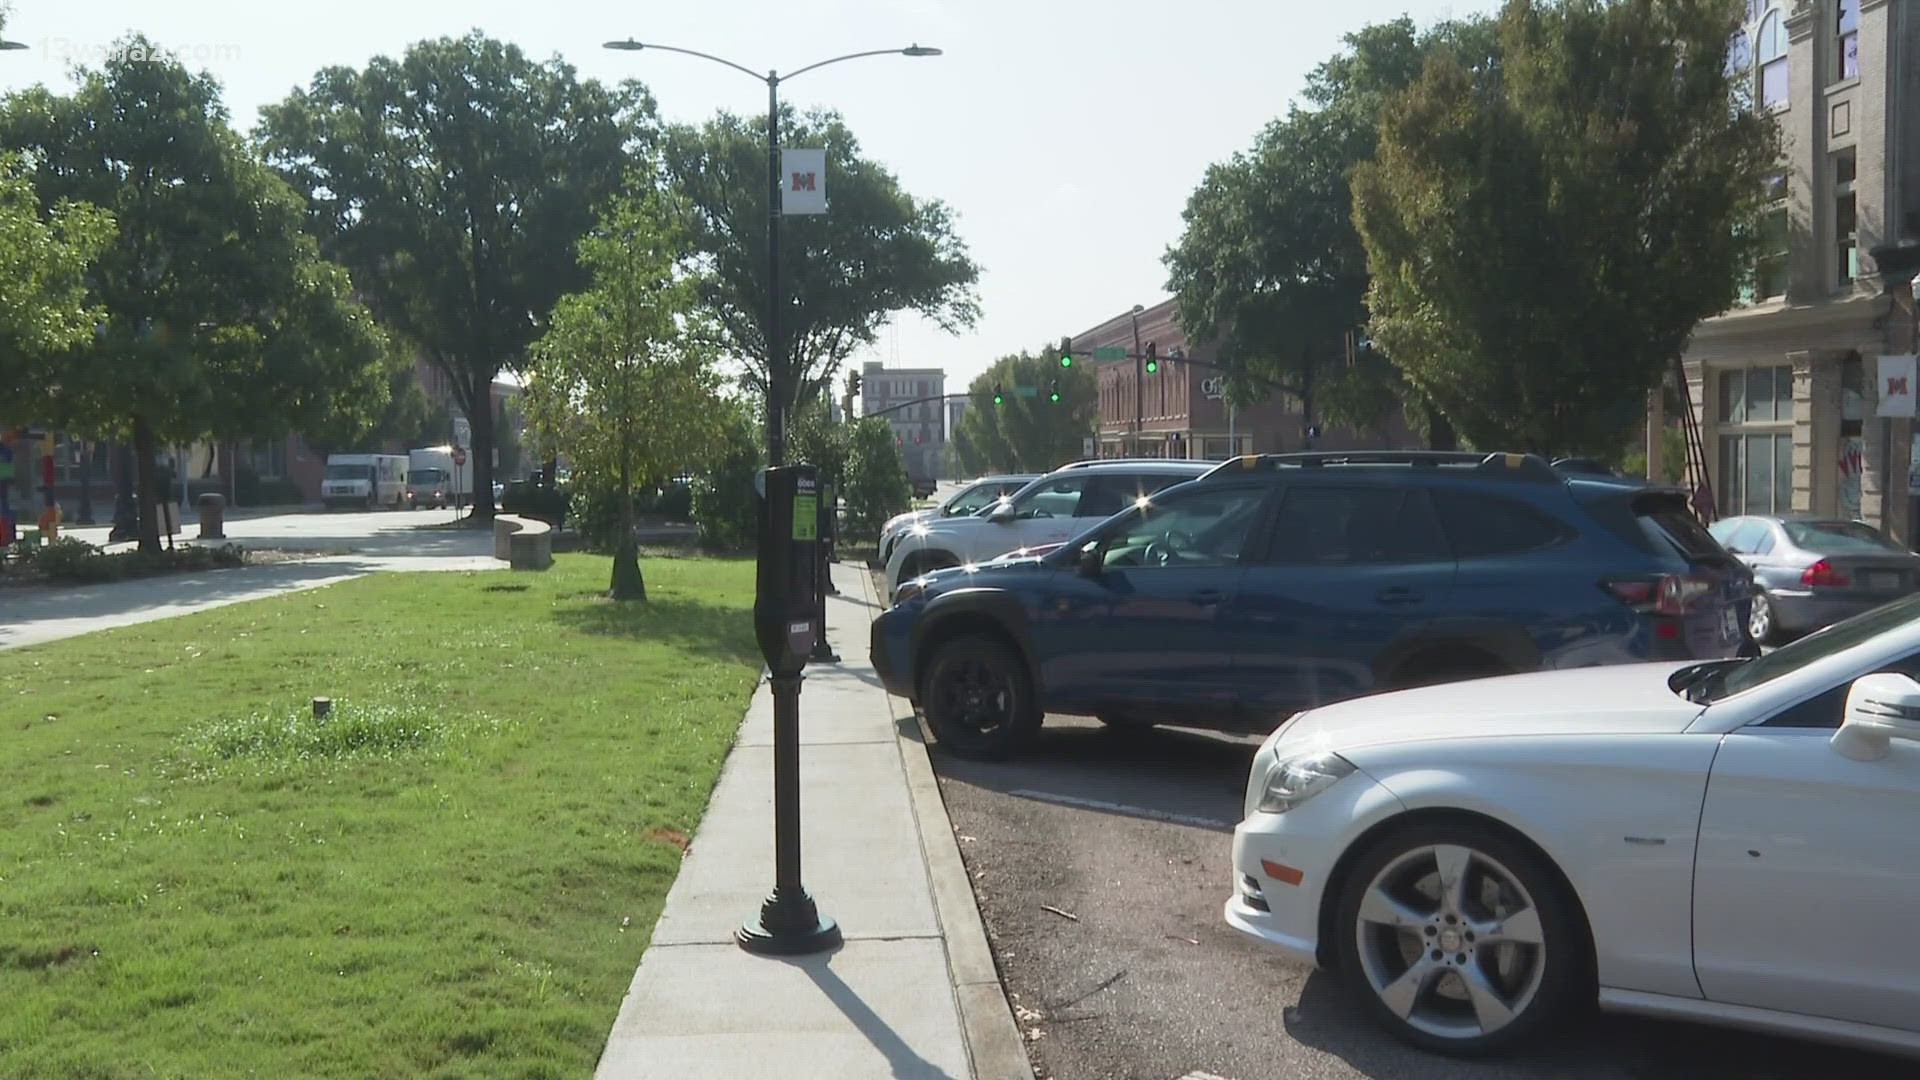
<point x="459" y="455"/>
<point x="1110" y="352"/>
<point x="804" y="190"/>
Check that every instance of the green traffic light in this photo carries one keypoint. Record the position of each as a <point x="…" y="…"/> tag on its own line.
<point x="1153" y="366"/>
<point x="1055" y="396"/>
<point x="1065" y="360"/>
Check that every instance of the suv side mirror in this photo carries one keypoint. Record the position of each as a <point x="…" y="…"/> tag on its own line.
<point x="1880" y="708"/>
<point x="1002" y="513"/>
<point x="1092" y="560"/>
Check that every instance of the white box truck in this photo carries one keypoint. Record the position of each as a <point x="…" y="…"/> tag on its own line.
<point x="367" y="481"/>
<point x="430" y="475"/>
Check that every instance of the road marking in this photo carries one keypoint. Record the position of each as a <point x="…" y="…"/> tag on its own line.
<point x="1122" y="808"/>
<point x="1202" y="1076"/>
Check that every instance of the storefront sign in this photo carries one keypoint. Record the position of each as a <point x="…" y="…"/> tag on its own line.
<point x="1896" y="386"/>
<point x="1214" y="388"/>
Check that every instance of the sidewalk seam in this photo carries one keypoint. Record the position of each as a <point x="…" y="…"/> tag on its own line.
<point x="994" y="1047"/>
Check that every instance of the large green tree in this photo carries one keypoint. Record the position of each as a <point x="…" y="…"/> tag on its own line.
<point x="619" y="384"/>
<point x="1027" y="431"/>
<point x="1544" y="234"/>
<point x="1270" y="265"/>
<point x="454" y="183"/>
<point x="877" y="251"/>
<point x="44" y="307"/>
<point x="222" y="320"/>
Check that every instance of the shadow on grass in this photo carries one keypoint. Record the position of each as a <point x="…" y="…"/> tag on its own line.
<point x="722" y="632"/>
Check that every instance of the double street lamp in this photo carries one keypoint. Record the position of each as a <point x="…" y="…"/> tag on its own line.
<point x="779" y="377"/>
<point x="11" y="46"/>
<point x="789" y="922"/>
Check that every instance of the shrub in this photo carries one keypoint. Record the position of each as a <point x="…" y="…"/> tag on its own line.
<point x="78" y="562"/>
<point x="876" y="486"/>
<point x="528" y="499"/>
<point x="723" y="502"/>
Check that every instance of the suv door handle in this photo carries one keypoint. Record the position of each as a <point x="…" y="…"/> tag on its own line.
<point x="1207" y="597"/>
<point x="1399" y="594"/>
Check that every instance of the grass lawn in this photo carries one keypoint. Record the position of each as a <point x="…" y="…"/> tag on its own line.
<point x="455" y="876"/>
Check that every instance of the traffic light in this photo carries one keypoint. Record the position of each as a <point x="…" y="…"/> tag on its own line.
<point x="1053" y="390"/>
<point x="1153" y="357"/>
<point x="998" y="398"/>
<point x="1066" y="352"/>
<point x="853" y="383"/>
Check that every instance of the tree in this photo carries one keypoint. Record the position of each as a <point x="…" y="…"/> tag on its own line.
<point x="1543" y="234"/>
<point x="876" y="486"/>
<point x="724" y="503"/>
<point x="454" y="183"/>
<point x="406" y="420"/>
<point x="1026" y="432"/>
<point x="841" y="273"/>
<point x="1270" y="265"/>
<point x="618" y="383"/>
<point x="222" y="320"/>
<point x="44" y="307"/>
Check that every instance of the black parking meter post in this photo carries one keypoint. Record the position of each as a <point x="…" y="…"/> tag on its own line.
<point x="785" y="612"/>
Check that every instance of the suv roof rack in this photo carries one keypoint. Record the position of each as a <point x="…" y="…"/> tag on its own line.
<point x="1529" y="467"/>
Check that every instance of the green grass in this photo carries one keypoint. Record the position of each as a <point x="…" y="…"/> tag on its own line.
<point x="454" y="875"/>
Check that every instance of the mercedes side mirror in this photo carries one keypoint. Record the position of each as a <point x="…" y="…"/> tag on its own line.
<point x="1880" y="708"/>
<point x="1091" y="561"/>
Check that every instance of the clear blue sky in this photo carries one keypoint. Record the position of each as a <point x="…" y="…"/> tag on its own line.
<point x="1067" y="134"/>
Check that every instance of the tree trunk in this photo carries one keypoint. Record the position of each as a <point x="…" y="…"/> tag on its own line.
<point x="1440" y="433"/>
<point x="480" y="454"/>
<point x="627" y="583"/>
<point x="145" y="482"/>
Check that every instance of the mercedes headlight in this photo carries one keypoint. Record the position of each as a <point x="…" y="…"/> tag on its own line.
<point x="1293" y="780"/>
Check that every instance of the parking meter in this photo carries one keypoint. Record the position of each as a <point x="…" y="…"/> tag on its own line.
<point x="785" y="605"/>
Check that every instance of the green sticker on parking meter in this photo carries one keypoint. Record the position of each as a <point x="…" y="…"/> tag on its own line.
<point x="806" y="516"/>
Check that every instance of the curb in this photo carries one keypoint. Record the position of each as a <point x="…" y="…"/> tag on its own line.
<point x="994" y="1045"/>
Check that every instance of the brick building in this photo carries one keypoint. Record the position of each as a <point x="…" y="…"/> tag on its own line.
<point x="1181" y="412"/>
<point x="1783" y="385"/>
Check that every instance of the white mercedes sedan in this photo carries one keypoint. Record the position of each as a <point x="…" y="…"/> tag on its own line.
<point x="1736" y="842"/>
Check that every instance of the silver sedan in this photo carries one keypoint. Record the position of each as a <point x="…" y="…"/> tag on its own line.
<point x="1812" y="572"/>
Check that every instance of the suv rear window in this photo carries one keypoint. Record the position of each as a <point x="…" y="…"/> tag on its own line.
<point x="1480" y="526"/>
<point x="1669" y="521"/>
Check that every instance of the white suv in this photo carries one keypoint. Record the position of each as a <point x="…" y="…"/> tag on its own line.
<point x="1050" y="510"/>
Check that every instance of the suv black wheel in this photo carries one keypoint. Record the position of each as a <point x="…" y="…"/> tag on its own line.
<point x="1460" y="939"/>
<point x="978" y="698"/>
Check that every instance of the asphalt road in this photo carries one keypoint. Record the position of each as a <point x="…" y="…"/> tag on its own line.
<point x="1130" y="835"/>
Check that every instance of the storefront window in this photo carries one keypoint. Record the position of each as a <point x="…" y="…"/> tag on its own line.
<point x="1758" y="395"/>
<point x="1756" y="473"/>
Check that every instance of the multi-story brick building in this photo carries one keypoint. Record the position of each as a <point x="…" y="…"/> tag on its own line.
<point x="1181" y="412"/>
<point x="1783" y="385"/>
<point x="920" y="429"/>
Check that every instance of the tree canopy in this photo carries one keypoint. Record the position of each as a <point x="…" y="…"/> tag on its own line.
<point x="454" y="183"/>
<point x="44" y="307"/>
<point x="842" y="273"/>
<point x="1270" y="265"/>
<point x="619" y="383"/>
<point x="1027" y="433"/>
<point x="221" y="318"/>
<point x="1544" y="233"/>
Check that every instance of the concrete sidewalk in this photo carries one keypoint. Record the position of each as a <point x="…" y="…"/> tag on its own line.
<point x="33" y="616"/>
<point x="912" y="992"/>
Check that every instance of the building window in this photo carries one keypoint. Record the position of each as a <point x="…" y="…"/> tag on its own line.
<point x="268" y="458"/>
<point x="1772" y="42"/>
<point x="1756" y="459"/>
<point x="1770" y="269"/>
<point x="1847" y="29"/>
<point x="1844" y="226"/>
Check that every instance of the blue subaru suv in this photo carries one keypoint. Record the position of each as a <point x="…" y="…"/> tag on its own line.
<point x="1276" y="583"/>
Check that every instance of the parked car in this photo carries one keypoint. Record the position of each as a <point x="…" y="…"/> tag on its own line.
<point x="970" y="499"/>
<point x="1812" y="572"/>
<point x="1053" y="508"/>
<point x="924" y="486"/>
<point x="1736" y="842"/>
<point x="1281" y="583"/>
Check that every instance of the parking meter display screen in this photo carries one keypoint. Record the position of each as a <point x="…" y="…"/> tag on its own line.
<point x="806" y="516"/>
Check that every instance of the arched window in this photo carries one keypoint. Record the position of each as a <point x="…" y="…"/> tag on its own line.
<point x="1772" y="42"/>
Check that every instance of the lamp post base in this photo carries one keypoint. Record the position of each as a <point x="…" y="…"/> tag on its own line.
<point x="789" y="925"/>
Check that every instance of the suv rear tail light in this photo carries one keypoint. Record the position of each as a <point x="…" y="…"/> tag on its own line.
<point x="1823" y="574"/>
<point x="1669" y="594"/>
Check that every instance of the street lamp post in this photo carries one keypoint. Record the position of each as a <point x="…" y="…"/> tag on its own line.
<point x="789" y="922"/>
<point x="11" y="46"/>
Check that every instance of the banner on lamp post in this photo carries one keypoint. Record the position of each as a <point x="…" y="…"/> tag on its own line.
<point x="803" y="182"/>
<point x="1896" y="386"/>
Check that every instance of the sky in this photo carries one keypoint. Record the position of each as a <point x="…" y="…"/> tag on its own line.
<point x="1065" y="134"/>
